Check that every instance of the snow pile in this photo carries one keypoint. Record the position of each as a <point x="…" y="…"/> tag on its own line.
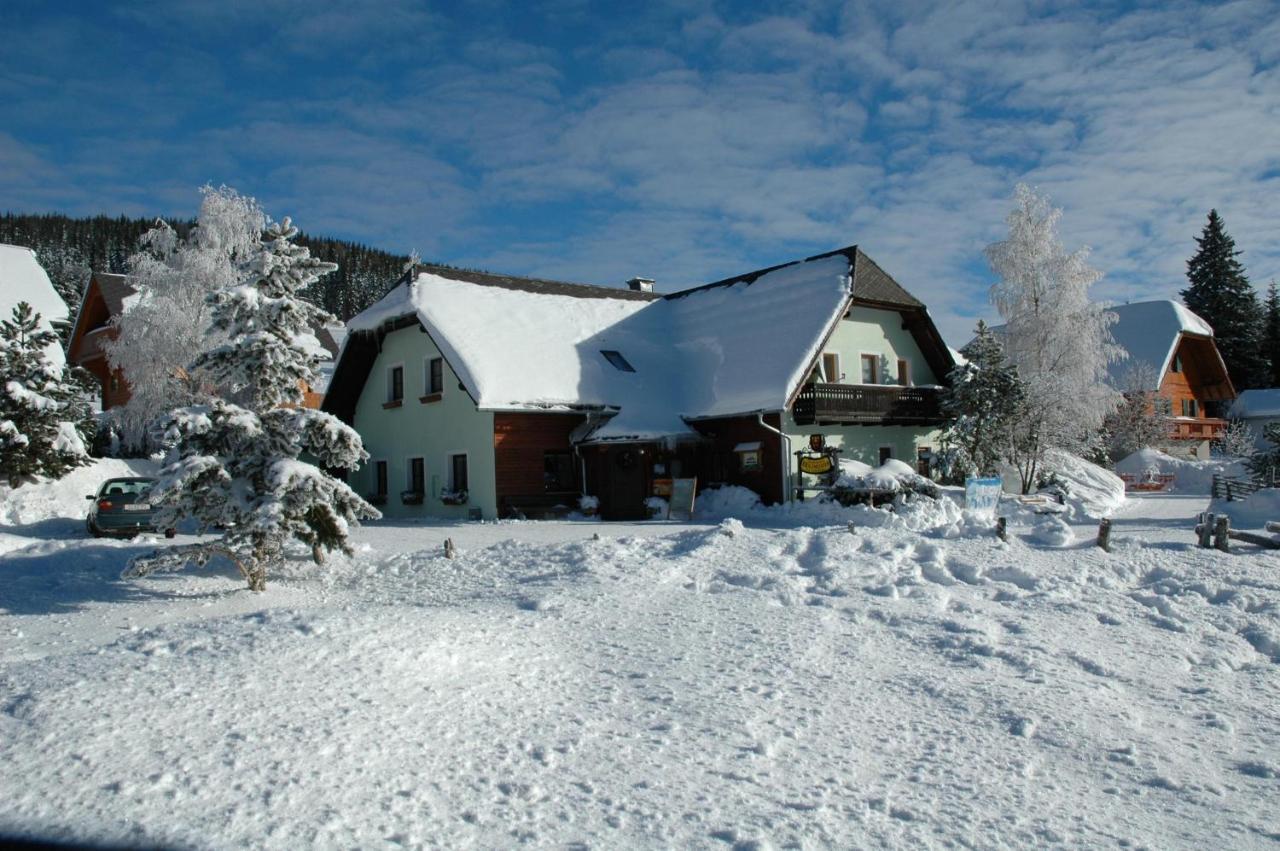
<point x="1052" y="531"/>
<point x="65" y="497"/>
<point x="1091" y="491"/>
<point x="1189" y="476"/>
<point x="941" y="516"/>
<point x="1255" y="512"/>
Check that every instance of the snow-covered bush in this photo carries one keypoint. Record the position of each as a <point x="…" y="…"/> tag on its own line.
<point x="1236" y="441"/>
<point x="858" y="481"/>
<point x="1266" y="464"/>
<point x="236" y="467"/>
<point x="657" y="507"/>
<point x="45" y="421"/>
<point x="588" y="504"/>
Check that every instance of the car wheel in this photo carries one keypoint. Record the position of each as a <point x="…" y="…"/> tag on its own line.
<point x="93" y="530"/>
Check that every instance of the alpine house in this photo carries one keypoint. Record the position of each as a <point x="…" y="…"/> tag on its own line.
<point x="488" y="395"/>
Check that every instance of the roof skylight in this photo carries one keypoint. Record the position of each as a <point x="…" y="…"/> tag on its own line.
<point x="617" y="360"/>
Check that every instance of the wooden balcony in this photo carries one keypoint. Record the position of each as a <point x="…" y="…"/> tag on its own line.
<point x="1197" y="428"/>
<point x="867" y="404"/>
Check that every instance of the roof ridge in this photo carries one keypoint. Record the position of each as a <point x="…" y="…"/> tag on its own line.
<point x="545" y="286"/>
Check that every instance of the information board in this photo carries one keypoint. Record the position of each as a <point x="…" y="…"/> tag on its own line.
<point x="681" y="502"/>
<point x="982" y="496"/>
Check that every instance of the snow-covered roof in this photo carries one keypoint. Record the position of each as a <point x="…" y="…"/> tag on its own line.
<point x="735" y="347"/>
<point x="1257" y="403"/>
<point x="1149" y="331"/>
<point x="22" y="278"/>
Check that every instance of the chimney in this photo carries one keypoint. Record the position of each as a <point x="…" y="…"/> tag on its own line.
<point x="641" y="285"/>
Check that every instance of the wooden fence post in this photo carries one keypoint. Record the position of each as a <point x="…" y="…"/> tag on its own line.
<point x="1002" y="528"/>
<point x="450" y="551"/>
<point x="1222" y="534"/>
<point x="1205" y="529"/>
<point x="1104" y="534"/>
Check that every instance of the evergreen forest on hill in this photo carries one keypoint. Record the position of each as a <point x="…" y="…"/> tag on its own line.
<point x="70" y="249"/>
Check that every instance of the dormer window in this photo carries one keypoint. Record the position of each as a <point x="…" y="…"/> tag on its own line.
<point x="619" y="362"/>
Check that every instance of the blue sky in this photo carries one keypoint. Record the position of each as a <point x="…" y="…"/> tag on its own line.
<point x="683" y="140"/>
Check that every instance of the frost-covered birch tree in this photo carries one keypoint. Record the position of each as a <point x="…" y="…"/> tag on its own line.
<point x="169" y="317"/>
<point x="1059" y="341"/>
<point x="45" y="419"/>
<point x="236" y="466"/>
<point x="1143" y="418"/>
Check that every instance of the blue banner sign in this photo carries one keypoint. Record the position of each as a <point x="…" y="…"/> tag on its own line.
<point x="983" y="495"/>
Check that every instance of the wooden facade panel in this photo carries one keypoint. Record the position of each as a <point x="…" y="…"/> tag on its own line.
<point x="720" y="464"/>
<point x="520" y="444"/>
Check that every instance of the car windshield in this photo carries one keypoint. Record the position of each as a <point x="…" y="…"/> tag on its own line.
<point x="126" y="487"/>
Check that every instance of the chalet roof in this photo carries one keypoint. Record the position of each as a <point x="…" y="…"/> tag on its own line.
<point x="1149" y="331"/>
<point x="115" y="289"/>
<point x="22" y="278"/>
<point x="654" y="361"/>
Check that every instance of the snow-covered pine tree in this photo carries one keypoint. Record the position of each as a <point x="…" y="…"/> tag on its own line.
<point x="1143" y="417"/>
<point x="236" y="466"/>
<point x="1059" y="341"/>
<point x="1220" y="293"/>
<point x="169" y="318"/>
<point x="1271" y="334"/>
<point x="985" y="399"/>
<point x="45" y="419"/>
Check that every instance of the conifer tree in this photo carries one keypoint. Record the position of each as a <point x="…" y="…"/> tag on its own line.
<point x="1271" y="334"/>
<point x="45" y="419"/>
<point x="1221" y="295"/>
<point x="984" y="399"/>
<point x="235" y="466"/>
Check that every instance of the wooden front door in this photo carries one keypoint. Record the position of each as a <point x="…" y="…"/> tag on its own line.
<point x="623" y="492"/>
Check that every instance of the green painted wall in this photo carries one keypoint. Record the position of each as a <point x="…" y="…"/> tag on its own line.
<point x="433" y="431"/>
<point x="869" y="331"/>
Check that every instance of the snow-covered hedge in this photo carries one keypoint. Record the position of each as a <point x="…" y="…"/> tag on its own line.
<point x="893" y="476"/>
<point x="1253" y="513"/>
<point x="1087" y="489"/>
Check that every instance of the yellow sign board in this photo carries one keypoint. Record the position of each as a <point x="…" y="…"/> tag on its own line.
<point x="817" y="466"/>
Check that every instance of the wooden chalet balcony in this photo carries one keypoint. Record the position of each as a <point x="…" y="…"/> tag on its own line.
<point x="867" y="404"/>
<point x="1197" y="428"/>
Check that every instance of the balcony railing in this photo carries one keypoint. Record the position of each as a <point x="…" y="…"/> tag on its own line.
<point x="867" y="404"/>
<point x="1197" y="428"/>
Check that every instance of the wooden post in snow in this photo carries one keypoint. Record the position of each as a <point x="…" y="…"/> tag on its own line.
<point x="450" y="551"/>
<point x="1002" y="528"/>
<point x="1222" y="534"/>
<point x="1104" y="534"/>
<point x="1205" y="529"/>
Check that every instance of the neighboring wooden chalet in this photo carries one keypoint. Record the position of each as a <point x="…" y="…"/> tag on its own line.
<point x="22" y="278"/>
<point x="1188" y="370"/>
<point x="489" y="395"/>
<point x="105" y="298"/>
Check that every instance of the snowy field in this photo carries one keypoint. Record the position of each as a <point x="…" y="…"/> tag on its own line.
<point x="715" y="686"/>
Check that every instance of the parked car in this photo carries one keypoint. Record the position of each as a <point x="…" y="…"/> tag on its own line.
<point x="120" y="507"/>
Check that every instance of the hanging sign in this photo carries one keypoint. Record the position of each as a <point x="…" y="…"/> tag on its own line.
<point x="817" y="466"/>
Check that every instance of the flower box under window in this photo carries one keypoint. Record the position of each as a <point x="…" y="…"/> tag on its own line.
<point x="453" y="497"/>
<point x="411" y="497"/>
